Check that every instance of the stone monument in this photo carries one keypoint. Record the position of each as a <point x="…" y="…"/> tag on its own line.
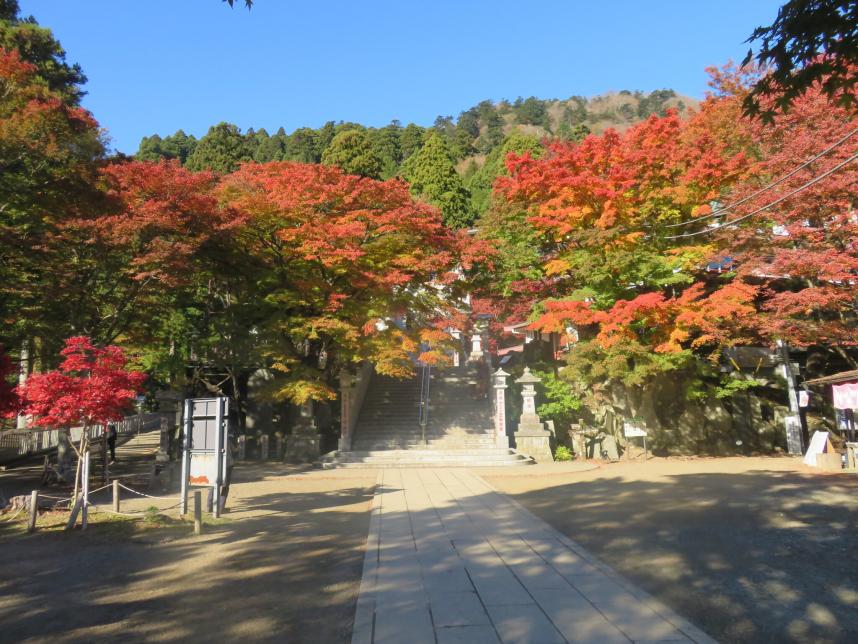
<point x="531" y="437"/>
<point x="303" y="445"/>
<point x="500" y="376"/>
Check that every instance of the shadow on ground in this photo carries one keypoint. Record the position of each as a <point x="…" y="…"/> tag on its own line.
<point x="285" y="566"/>
<point x="762" y="556"/>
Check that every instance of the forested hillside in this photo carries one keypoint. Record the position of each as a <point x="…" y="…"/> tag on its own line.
<point x="455" y="171"/>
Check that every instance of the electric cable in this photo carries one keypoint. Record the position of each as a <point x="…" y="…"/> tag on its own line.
<point x="721" y="211"/>
<point x="768" y="205"/>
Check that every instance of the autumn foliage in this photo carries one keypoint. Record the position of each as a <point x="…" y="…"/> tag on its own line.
<point x="342" y="256"/>
<point x="91" y="387"/>
<point x="632" y="247"/>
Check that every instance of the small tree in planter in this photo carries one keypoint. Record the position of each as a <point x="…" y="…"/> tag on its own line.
<point x="91" y="387"/>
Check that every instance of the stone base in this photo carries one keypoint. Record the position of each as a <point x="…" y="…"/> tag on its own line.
<point x="302" y="447"/>
<point x="538" y="447"/>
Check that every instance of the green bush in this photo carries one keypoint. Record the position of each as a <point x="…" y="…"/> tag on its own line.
<point x="152" y="515"/>
<point x="563" y="453"/>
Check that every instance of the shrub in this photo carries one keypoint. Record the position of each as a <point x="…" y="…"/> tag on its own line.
<point x="563" y="453"/>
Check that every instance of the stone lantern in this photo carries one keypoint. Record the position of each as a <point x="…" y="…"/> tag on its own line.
<point x="303" y="445"/>
<point x="531" y="437"/>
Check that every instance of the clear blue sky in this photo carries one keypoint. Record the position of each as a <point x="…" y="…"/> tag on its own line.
<point x="161" y="65"/>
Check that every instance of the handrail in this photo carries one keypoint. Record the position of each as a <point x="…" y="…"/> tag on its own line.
<point x="423" y="411"/>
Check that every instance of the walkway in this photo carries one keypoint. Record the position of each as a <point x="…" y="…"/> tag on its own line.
<point x="449" y="559"/>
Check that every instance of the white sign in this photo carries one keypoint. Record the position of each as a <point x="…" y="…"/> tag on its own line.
<point x="818" y="445"/>
<point x="631" y="430"/>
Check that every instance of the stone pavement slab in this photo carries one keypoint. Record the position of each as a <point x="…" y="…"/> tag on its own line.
<point x="449" y="559"/>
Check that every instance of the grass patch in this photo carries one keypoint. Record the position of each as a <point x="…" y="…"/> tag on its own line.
<point x="106" y="524"/>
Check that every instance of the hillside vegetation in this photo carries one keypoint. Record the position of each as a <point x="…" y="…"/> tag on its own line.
<point x="455" y="172"/>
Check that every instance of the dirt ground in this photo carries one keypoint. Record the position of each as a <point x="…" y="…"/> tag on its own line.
<point x="284" y="565"/>
<point x="750" y="549"/>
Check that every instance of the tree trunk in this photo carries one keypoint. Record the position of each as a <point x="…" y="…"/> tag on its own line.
<point x="81" y="451"/>
<point x="23" y="372"/>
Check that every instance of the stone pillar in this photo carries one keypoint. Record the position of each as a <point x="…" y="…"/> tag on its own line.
<point x="242" y="448"/>
<point x="303" y="444"/>
<point x="163" y="455"/>
<point x="279" y="446"/>
<point x="347" y="392"/>
<point x="500" y="376"/>
<point x="457" y="353"/>
<point x="531" y="436"/>
<point x="263" y="447"/>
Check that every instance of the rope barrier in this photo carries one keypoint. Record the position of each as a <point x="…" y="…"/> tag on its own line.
<point x="99" y="508"/>
<point x="12" y="518"/>
<point x="168" y="498"/>
<point x="56" y="498"/>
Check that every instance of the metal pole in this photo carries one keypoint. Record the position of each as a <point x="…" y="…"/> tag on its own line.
<point x="198" y="512"/>
<point x="220" y="455"/>
<point x="186" y="443"/>
<point x="116" y="495"/>
<point x="34" y="511"/>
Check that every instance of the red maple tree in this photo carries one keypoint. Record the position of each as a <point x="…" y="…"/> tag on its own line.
<point x="91" y="387"/>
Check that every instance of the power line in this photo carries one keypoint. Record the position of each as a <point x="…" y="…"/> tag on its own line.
<point x="721" y="211"/>
<point x="769" y="205"/>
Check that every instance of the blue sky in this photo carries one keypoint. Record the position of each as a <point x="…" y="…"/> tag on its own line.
<point x="161" y="65"/>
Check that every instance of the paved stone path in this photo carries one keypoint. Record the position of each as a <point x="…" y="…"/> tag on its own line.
<point x="449" y="559"/>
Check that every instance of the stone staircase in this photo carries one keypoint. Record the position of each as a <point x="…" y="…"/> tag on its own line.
<point x="460" y="431"/>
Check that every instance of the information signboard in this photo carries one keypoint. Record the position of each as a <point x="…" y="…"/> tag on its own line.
<point x="205" y="448"/>
<point x="632" y="430"/>
<point x="635" y="429"/>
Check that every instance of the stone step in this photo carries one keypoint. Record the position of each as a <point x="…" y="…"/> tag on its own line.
<point x="392" y="445"/>
<point x="476" y="440"/>
<point x="503" y="451"/>
<point x="496" y="457"/>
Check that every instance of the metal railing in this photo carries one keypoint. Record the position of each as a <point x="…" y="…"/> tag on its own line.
<point x="17" y="443"/>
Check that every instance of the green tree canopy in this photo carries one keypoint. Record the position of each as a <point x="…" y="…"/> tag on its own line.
<point x="432" y="175"/>
<point x="221" y="150"/>
<point x="480" y="183"/>
<point x="352" y="151"/>
<point x="37" y="45"/>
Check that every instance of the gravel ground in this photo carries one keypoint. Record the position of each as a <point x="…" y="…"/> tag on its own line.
<point x="283" y="566"/>
<point x="750" y="549"/>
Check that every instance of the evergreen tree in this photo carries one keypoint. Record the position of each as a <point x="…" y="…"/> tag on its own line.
<point x="38" y="46"/>
<point x="411" y="139"/>
<point x="353" y="153"/>
<point x="481" y="182"/>
<point x="150" y="148"/>
<point x="386" y="144"/>
<point x="432" y="175"/>
<point x="573" y="133"/>
<point x="221" y="150"/>
<point x="323" y="137"/>
<point x="301" y="146"/>
<point x="271" y="148"/>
